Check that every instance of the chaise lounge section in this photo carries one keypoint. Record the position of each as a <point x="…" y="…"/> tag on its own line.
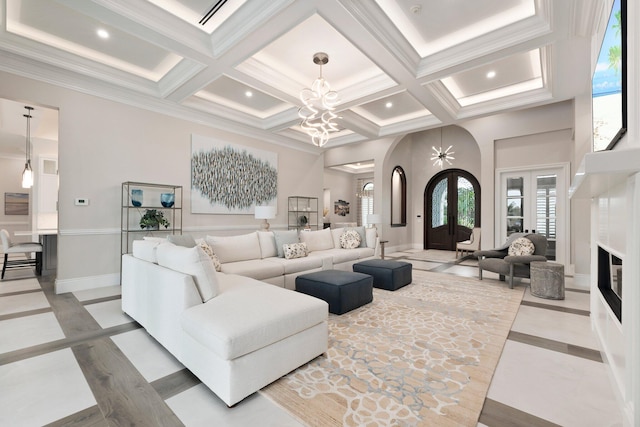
<point x="235" y="333"/>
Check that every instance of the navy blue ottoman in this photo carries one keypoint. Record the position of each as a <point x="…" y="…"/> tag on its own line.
<point x="387" y="274"/>
<point x="342" y="290"/>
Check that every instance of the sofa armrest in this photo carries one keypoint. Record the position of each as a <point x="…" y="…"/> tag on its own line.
<point x="524" y="259"/>
<point x="489" y="254"/>
<point x="156" y="297"/>
<point x="377" y="250"/>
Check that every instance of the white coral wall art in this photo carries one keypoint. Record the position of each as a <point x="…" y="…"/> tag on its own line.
<point x="231" y="179"/>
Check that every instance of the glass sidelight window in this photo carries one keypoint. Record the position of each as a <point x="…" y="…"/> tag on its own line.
<point x="439" y="203"/>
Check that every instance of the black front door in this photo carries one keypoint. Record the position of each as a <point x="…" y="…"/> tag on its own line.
<point x="452" y="209"/>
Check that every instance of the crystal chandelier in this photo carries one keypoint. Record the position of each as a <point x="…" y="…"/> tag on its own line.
<point x="319" y="102"/>
<point x="440" y="156"/>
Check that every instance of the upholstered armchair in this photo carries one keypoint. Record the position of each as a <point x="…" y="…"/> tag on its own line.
<point x="499" y="261"/>
<point x="470" y="245"/>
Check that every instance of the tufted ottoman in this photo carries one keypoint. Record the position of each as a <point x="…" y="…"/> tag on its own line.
<point x="387" y="274"/>
<point x="342" y="290"/>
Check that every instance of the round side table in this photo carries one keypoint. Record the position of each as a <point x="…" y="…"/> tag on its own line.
<point x="547" y="280"/>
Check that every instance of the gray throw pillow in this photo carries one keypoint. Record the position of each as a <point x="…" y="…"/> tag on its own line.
<point x="284" y="238"/>
<point x="185" y="240"/>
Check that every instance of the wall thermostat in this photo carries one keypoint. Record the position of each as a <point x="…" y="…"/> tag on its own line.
<point x="82" y="202"/>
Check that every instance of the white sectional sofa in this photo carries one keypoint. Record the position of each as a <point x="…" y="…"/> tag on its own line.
<point x="235" y="333"/>
<point x="259" y="254"/>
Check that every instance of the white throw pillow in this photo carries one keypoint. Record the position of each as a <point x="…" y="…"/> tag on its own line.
<point x="235" y="248"/>
<point x="521" y="246"/>
<point x="294" y="250"/>
<point x="209" y="251"/>
<point x="320" y="240"/>
<point x="193" y="261"/>
<point x="335" y="234"/>
<point x="146" y="249"/>
<point x="350" y="239"/>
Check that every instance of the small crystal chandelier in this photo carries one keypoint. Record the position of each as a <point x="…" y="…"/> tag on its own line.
<point x="317" y="113"/>
<point x="27" y="173"/>
<point x="441" y="156"/>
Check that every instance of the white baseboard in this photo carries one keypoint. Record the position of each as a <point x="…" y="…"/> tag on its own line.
<point x="84" y="283"/>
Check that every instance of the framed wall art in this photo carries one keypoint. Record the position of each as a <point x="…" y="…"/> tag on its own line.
<point x="609" y="82"/>
<point x="231" y="179"/>
<point x="16" y="203"/>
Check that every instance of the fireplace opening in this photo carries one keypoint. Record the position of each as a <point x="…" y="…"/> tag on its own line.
<point x="610" y="280"/>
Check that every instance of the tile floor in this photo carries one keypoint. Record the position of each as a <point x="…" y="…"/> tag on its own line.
<point x="77" y="360"/>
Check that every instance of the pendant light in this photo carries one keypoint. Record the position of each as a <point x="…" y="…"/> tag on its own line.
<point x="440" y="156"/>
<point x="27" y="174"/>
<point x="317" y="113"/>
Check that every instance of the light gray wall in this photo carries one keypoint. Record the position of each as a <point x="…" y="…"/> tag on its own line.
<point x="341" y="186"/>
<point x="487" y="130"/>
<point x="467" y="157"/>
<point x="103" y="143"/>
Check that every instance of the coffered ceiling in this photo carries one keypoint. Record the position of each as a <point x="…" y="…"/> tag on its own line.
<point x="399" y="66"/>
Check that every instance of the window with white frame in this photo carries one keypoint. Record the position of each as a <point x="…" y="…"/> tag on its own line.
<point x="365" y="207"/>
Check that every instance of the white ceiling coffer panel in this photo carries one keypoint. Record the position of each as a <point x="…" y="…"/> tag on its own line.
<point x="397" y="66"/>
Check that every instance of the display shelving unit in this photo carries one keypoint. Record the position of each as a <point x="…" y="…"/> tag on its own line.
<point x="130" y="214"/>
<point x="303" y="213"/>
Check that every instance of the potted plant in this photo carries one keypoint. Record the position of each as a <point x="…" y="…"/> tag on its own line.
<point x="153" y="219"/>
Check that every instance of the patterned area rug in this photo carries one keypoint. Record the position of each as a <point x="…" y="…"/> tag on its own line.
<point x="423" y="355"/>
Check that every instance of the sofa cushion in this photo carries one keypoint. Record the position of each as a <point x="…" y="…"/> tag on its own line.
<point x="295" y="250"/>
<point x="372" y="235"/>
<point x="185" y="240"/>
<point x="267" y="244"/>
<point x="146" y="249"/>
<point x="193" y="261"/>
<point x="341" y="255"/>
<point x="298" y="265"/>
<point x="235" y="248"/>
<point x="239" y="322"/>
<point x="350" y="239"/>
<point x="259" y="269"/>
<point x="521" y="246"/>
<point x="284" y="238"/>
<point x="317" y="240"/>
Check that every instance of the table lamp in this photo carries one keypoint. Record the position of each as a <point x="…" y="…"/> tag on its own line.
<point x="265" y="213"/>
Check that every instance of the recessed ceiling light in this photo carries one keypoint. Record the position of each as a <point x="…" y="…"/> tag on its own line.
<point x="491" y="74"/>
<point x="389" y="104"/>
<point x="102" y="33"/>
<point x="248" y="94"/>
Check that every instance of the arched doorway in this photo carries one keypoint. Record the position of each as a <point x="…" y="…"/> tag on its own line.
<point x="452" y="209"/>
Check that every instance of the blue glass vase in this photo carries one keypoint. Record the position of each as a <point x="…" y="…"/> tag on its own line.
<point x="167" y="199"/>
<point x="136" y="197"/>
